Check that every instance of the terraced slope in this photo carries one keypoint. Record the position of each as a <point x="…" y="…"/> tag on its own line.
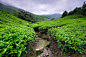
<point x="14" y="35"/>
<point x="69" y="32"/>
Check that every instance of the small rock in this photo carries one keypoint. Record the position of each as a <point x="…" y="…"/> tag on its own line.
<point x="46" y="54"/>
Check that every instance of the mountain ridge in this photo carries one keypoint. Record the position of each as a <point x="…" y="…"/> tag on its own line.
<point x="11" y="8"/>
<point x="56" y="15"/>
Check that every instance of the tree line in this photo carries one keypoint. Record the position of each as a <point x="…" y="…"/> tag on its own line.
<point x="77" y="10"/>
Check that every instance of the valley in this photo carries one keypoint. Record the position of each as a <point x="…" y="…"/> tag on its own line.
<point x="24" y="34"/>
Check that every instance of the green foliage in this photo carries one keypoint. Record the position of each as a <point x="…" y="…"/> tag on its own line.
<point x="20" y="13"/>
<point x="84" y="5"/>
<point x="25" y="16"/>
<point x="38" y="18"/>
<point x="79" y="10"/>
<point x="84" y="11"/>
<point x="30" y="17"/>
<point x="54" y="23"/>
<point x="14" y="35"/>
<point x="69" y="32"/>
<point x="8" y="8"/>
<point x="75" y="11"/>
<point x="64" y="14"/>
<point x="72" y="36"/>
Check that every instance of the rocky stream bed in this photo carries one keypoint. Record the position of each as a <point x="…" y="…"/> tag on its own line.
<point x="46" y="46"/>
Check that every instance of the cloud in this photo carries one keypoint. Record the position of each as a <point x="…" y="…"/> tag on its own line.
<point x="40" y="7"/>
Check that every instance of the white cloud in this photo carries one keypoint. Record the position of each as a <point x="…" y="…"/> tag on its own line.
<point x="40" y="7"/>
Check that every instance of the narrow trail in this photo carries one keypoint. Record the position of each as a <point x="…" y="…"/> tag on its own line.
<point x="42" y="44"/>
<point x="46" y="46"/>
<point x="41" y="47"/>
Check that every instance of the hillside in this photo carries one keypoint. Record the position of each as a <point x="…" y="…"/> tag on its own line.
<point x="66" y="34"/>
<point x="69" y="32"/>
<point x="35" y="18"/>
<point x="14" y="34"/>
<point x="23" y="34"/>
<point x="54" y="15"/>
<point x="9" y="8"/>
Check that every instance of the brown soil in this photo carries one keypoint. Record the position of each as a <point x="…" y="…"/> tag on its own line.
<point x="29" y="49"/>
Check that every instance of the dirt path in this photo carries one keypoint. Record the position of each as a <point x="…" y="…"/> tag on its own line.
<point x="39" y="47"/>
<point x="46" y="46"/>
<point x="42" y="45"/>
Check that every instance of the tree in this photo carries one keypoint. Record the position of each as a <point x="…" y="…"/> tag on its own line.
<point x="84" y="5"/>
<point x="71" y="13"/>
<point x="79" y="10"/>
<point x="25" y="16"/>
<point x="84" y="9"/>
<point x="64" y="13"/>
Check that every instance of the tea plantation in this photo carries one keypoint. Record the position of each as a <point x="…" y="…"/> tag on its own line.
<point x="14" y="35"/>
<point x="69" y="32"/>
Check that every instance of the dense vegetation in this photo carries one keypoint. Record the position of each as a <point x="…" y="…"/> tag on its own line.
<point x="14" y="35"/>
<point x="20" y="13"/>
<point x="69" y="32"/>
<point x="64" y="13"/>
<point x="77" y="10"/>
<point x="9" y="8"/>
<point x="31" y="17"/>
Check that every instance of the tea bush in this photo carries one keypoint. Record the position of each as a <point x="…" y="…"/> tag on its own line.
<point x="72" y="36"/>
<point x="14" y="35"/>
<point x="69" y="32"/>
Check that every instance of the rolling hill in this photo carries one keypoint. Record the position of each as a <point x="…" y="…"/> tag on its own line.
<point x="9" y="8"/>
<point x="14" y="34"/>
<point x="54" y="15"/>
<point x="35" y="18"/>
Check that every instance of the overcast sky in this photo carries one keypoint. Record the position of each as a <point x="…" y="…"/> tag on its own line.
<point x="41" y="7"/>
